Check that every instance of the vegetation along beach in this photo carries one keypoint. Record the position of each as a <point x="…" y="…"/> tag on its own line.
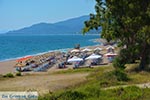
<point x="75" y="50"/>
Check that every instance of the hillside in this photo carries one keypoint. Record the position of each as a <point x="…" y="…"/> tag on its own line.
<point x="70" y="26"/>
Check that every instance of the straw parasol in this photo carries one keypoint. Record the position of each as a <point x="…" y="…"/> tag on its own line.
<point x="110" y="47"/>
<point x="19" y="65"/>
<point x="98" y="49"/>
<point x="75" y="50"/>
<point x="24" y="58"/>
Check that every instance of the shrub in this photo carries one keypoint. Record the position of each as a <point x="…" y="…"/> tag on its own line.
<point x="1" y="75"/>
<point x="121" y="76"/>
<point x="47" y="97"/>
<point x="125" y="56"/>
<point x="72" y="95"/>
<point x="66" y="95"/>
<point x="107" y="79"/>
<point x="130" y="93"/>
<point x="104" y="83"/>
<point x="92" y="91"/>
<point x="118" y="63"/>
<point x="112" y="78"/>
<point x="18" y="74"/>
<point x="10" y="75"/>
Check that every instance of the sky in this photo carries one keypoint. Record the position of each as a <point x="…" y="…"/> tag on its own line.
<point x="16" y="14"/>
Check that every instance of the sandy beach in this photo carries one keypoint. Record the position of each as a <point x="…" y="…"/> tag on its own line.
<point x="46" y="81"/>
<point x="8" y="66"/>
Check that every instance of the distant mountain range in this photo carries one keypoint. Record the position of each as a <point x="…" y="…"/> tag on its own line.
<point x="71" y="26"/>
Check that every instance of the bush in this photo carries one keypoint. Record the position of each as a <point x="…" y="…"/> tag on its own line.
<point x="1" y="76"/>
<point x="10" y="75"/>
<point x="92" y="91"/>
<point x="126" y="56"/>
<point x="129" y="93"/>
<point x="47" y="97"/>
<point x="112" y="78"/>
<point x="107" y="79"/>
<point x="72" y="95"/>
<point x="118" y="63"/>
<point x="121" y="76"/>
<point x="66" y="95"/>
<point x="104" y="83"/>
<point x="18" y="74"/>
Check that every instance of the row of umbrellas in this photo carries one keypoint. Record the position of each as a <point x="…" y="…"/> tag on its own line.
<point x="74" y="50"/>
<point x="75" y="59"/>
<point x="92" y="56"/>
<point x="24" y="58"/>
<point x="88" y="50"/>
<point x="85" y="50"/>
<point x="19" y="64"/>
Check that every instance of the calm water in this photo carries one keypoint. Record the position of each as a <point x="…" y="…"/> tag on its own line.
<point x="17" y="46"/>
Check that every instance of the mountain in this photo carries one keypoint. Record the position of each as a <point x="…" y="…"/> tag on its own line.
<point x="70" y="26"/>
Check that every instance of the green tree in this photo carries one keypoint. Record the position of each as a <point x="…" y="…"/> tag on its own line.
<point x="128" y="23"/>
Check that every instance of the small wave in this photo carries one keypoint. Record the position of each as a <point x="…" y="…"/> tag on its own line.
<point x="41" y="53"/>
<point x="9" y="59"/>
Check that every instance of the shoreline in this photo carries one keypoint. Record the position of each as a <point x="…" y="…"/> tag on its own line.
<point x="41" y="34"/>
<point x="13" y="56"/>
<point x="50" y="51"/>
<point x="7" y="66"/>
<point x="41" y="53"/>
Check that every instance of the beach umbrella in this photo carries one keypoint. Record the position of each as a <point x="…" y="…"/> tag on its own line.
<point x="19" y="65"/>
<point x="74" y="59"/>
<point x="86" y="50"/>
<point x="98" y="49"/>
<point x="110" y="47"/>
<point x="110" y="54"/>
<point x="75" y="50"/>
<point x="93" y="56"/>
<point x="24" y="58"/>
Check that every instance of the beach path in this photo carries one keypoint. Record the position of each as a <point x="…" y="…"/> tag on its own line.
<point x="42" y="83"/>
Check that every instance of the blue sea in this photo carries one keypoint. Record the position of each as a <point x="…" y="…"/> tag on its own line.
<point x="14" y="46"/>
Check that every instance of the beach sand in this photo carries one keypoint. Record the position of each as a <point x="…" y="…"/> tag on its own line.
<point x="7" y="66"/>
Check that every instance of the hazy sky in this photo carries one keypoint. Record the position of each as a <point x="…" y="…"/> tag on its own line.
<point x="15" y="14"/>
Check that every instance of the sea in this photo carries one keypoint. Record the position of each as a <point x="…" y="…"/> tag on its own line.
<point x="16" y="46"/>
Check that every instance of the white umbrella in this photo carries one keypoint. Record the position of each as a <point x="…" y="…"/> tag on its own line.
<point x="98" y="49"/>
<point x="86" y="49"/>
<point x="93" y="56"/>
<point x="74" y="59"/>
<point x="75" y="50"/>
<point x="110" y="47"/>
<point x="110" y="54"/>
